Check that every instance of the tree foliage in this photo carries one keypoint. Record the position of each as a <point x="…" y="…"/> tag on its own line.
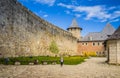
<point x="53" y="47"/>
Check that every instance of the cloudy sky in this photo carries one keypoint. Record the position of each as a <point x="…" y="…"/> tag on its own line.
<point x="91" y="15"/>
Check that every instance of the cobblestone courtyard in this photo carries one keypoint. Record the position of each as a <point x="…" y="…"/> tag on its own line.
<point x="92" y="68"/>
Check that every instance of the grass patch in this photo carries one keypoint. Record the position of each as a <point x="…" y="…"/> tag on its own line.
<point x="72" y="60"/>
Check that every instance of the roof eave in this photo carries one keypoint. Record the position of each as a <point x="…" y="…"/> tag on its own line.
<point x="92" y="41"/>
<point x="74" y="28"/>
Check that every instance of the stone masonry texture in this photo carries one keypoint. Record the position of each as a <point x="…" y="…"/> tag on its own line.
<point x="22" y="33"/>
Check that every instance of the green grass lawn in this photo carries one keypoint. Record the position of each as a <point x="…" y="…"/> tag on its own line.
<point x="72" y="60"/>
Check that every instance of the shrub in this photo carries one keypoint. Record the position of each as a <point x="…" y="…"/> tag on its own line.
<point x="72" y="60"/>
<point x="53" y="47"/>
<point x="86" y="54"/>
<point x="93" y="54"/>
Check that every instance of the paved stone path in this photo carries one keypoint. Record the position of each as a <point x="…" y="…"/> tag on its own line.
<point x="92" y="68"/>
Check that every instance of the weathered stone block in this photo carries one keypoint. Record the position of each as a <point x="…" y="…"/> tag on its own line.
<point x="17" y="63"/>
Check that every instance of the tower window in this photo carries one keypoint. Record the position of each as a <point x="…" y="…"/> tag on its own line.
<point x="93" y="44"/>
<point x="102" y="43"/>
<point x="98" y="43"/>
<point x="84" y="44"/>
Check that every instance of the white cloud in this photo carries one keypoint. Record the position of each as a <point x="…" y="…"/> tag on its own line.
<point x="66" y="6"/>
<point x="41" y="13"/>
<point x="103" y="20"/>
<point x="45" y="15"/>
<point x="111" y="8"/>
<point x="99" y="12"/>
<point x="93" y="12"/>
<point x="74" y="2"/>
<point x="115" y="20"/>
<point x="67" y="12"/>
<point x="115" y="14"/>
<point x="48" y="2"/>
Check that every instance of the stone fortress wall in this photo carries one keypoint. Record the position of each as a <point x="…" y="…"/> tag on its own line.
<point x="22" y="33"/>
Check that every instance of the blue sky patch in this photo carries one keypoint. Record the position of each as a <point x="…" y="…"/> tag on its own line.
<point x="91" y="15"/>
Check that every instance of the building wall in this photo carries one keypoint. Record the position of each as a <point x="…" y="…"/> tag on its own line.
<point x="75" y="32"/>
<point x="118" y="51"/>
<point x="113" y="49"/>
<point x="22" y="33"/>
<point x="89" y="46"/>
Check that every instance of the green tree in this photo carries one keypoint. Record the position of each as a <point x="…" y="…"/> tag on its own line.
<point x="53" y="47"/>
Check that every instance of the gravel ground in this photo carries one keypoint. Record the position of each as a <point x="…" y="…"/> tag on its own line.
<point x="92" y="68"/>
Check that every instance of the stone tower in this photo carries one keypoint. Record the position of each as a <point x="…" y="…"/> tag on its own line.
<point x="75" y="29"/>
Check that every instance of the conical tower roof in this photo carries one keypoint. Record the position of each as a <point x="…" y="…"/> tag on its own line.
<point x="74" y="24"/>
<point x="109" y="29"/>
<point x="115" y="35"/>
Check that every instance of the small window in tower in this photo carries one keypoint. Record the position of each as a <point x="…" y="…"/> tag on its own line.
<point x="93" y="44"/>
<point x="102" y="43"/>
<point x="98" y="43"/>
<point x="82" y="43"/>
